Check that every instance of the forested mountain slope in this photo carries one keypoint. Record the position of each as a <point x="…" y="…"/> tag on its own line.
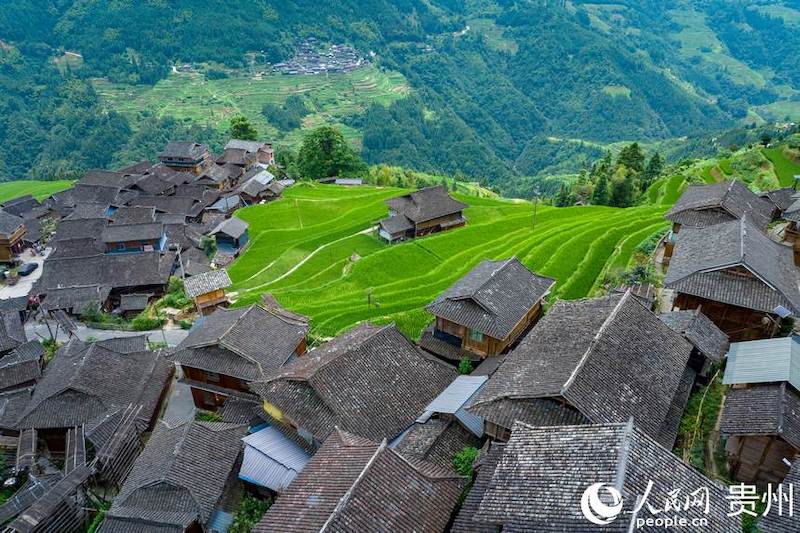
<point x="498" y="89"/>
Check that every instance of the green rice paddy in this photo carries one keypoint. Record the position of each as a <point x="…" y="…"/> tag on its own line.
<point x="315" y="251"/>
<point x="39" y="189"/>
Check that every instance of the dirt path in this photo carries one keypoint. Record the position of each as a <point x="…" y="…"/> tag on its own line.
<point x="302" y="262"/>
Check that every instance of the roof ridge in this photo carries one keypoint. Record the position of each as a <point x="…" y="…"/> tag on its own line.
<point x="347" y="495"/>
<point x="504" y="264"/>
<point x="624" y="456"/>
<point x="610" y="318"/>
<point x="324" y="364"/>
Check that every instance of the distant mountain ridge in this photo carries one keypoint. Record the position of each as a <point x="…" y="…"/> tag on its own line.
<point x="493" y="82"/>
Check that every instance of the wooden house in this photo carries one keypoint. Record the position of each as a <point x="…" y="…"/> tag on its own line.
<point x="563" y="462"/>
<point x="184" y="156"/>
<point x="740" y="278"/>
<point x="761" y="414"/>
<point x="131" y="305"/>
<point x="703" y="206"/>
<point x="134" y="238"/>
<point x="208" y="290"/>
<point x="355" y="484"/>
<point x="238" y="157"/>
<point x="259" y="185"/>
<point x="422" y="212"/>
<point x="264" y="153"/>
<point x="592" y="361"/>
<point x="222" y="177"/>
<point x="22" y="367"/>
<point x="486" y="311"/>
<point x="230" y="349"/>
<point x="343" y="384"/>
<point x="231" y="235"/>
<point x="182" y="480"/>
<point x="12" y="231"/>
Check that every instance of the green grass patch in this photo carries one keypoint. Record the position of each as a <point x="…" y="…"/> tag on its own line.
<point x="315" y="251"/>
<point x="38" y="189"/>
<point x="785" y="168"/>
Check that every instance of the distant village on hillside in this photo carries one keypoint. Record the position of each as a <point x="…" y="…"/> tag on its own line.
<point x="503" y="416"/>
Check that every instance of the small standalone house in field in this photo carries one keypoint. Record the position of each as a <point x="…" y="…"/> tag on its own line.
<point x="180" y="481"/>
<point x="371" y="381"/>
<point x="421" y="212"/>
<point x="208" y="290"/>
<point x="703" y="206"/>
<point x="445" y="427"/>
<point x="486" y="311"/>
<point x="710" y="343"/>
<point x="186" y="157"/>
<point x="227" y="350"/>
<point x="563" y="462"/>
<point x="264" y="153"/>
<point x="354" y="484"/>
<point x="591" y="361"/>
<point x="231" y="235"/>
<point x="12" y="231"/>
<point x="761" y="415"/>
<point x="740" y="278"/>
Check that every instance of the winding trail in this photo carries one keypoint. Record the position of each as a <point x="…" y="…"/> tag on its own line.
<point x="303" y="261"/>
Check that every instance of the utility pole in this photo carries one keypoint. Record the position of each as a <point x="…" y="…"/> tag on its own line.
<point x="535" y="203"/>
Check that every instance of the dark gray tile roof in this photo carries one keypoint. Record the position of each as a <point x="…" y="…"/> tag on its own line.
<point x="75" y="298"/>
<point x="370" y="381"/>
<point x="85" y="382"/>
<point x="20" y="205"/>
<point x="248" y="342"/>
<point x="250" y="146"/>
<point x="233" y="227"/>
<point x="134" y="215"/>
<point x="219" y="173"/>
<point x="768" y="409"/>
<point x="12" y="405"/>
<point x="493" y="297"/>
<point x="137" y="168"/>
<point x="610" y="358"/>
<point x="12" y="332"/>
<point x="96" y="194"/>
<point x="19" y="303"/>
<point x="534" y="411"/>
<point x="125" y="345"/>
<point x="236" y="156"/>
<point x="669" y="429"/>
<point x="165" y="204"/>
<point x="396" y="224"/>
<point x="539" y="480"/>
<point x="108" y="178"/>
<point x="698" y="329"/>
<point x="151" y="184"/>
<point x="775" y="522"/>
<point x="207" y="282"/>
<point x="183" y="150"/>
<point x="352" y="484"/>
<point x="69" y="229"/>
<point x="22" y="366"/>
<point x="436" y="441"/>
<point x="426" y="204"/>
<point x="180" y="476"/>
<point x="484" y="468"/>
<point x="9" y="223"/>
<point x="114" y="270"/>
<point x="134" y="302"/>
<point x="132" y="232"/>
<point x="702" y="257"/>
<point x="706" y="205"/>
<point x="781" y="198"/>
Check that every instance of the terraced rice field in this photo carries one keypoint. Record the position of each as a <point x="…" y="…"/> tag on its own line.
<point x="39" y="189"/>
<point x="315" y="251"/>
<point x="192" y="97"/>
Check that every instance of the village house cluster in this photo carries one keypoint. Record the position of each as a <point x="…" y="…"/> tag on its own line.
<point x="312" y="58"/>
<point x="359" y="432"/>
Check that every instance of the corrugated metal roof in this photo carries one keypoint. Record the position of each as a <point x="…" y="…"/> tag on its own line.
<point x="764" y="361"/>
<point x="457" y="394"/>
<point x="271" y="460"/>
<point x="220" y="521"/>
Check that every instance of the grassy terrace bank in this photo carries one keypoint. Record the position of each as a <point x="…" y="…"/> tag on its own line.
<point x="314" y="251"/>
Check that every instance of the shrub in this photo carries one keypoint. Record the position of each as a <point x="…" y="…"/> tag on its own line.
<point x="465" y="366"/>
<point x="207" y="416"/>
<point x="186" y="324"/>
<point x="144" y="322"/>
<point x="250" y="512"/>
<point x="464" y="459"/>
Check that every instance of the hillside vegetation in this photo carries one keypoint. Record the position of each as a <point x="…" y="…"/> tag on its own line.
<point x="315" y="251"/>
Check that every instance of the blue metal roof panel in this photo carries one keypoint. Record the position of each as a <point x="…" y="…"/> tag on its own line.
<point x="764" y="361"/>
<point x="457" y="394"/>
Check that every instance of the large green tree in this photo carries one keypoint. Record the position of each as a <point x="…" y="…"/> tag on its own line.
<point x="242" y="129"/>
<point x="325" y="153"/>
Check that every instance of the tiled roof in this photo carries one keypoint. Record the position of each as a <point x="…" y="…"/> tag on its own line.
<point x="134" y="215"/>
<point x="698" y="329"/>
<point x="9" y="223"/>
<point x="183" y="150"/>
<point x="12" y="332"/>
<point x="20" y="205"/>
<point x="706" y="205"/>
<point x="248" y="342"/>
<point x="352" y="484"/>
<point x="784" y="522"/>
<point x="236" y="156"/>
<point x="493" y="297"/>
<point x="764" y="409"/>
<point x="132" y="232"/>
<point x="23" y="365"/>
<point x="610" y="358"/>
<point x="75" y="298"/>
<point x="108" y="178"/>
<point x="133" y="302"/>
<point x="207" y="282"/>
<point x="250" y="146"/>
<point x="484" y="468"/>
<point x="781" y="198"/>
<point x="87" y="381"/>
<point x="113" y="270"/>
<point x="233" y="227"/>
<point x="436" y="441"/>
<point x="703" y="258"/>
<point x="543" y="472"/>
<point x="370" y="381"/>
<point x="426" y="204"/>
<point x="179" y="477"/>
